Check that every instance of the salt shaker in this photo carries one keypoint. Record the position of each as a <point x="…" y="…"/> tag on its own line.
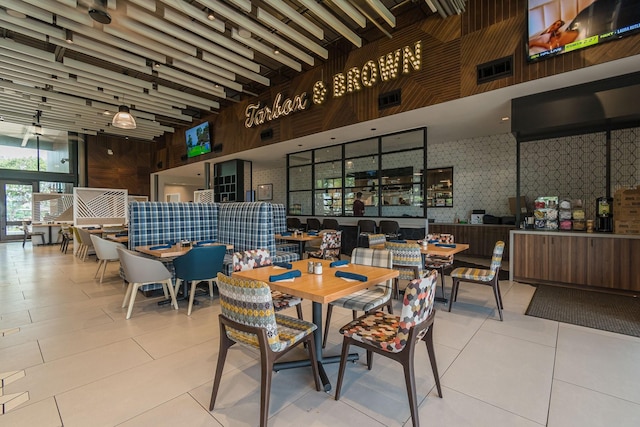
<point x="310" y="267"/>
<point x="318" y="268"/>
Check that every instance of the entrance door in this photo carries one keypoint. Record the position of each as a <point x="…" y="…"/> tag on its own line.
<point x="15" y="207"/>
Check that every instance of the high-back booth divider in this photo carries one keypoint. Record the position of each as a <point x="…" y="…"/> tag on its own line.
<point x="154" y="223"/>
<point x="247" y="226"/>
<point x="280" y="225"/>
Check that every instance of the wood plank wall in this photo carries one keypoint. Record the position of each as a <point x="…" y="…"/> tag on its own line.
<point x="128" y="167"/>
<point x="452" y="48"/>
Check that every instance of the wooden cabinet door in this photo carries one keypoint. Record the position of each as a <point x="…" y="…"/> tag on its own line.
<point x="601" y="262"/>
<point x="531" y="257"/>
<point x="627" y="264"/>
<point x="567" y="256"/>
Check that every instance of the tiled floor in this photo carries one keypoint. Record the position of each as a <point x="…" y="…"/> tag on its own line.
<point x="64" y="341"/>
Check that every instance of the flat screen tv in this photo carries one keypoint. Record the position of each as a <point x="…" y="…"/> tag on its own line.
<point x="198" y="139"/>
<point x="559" y="26"/>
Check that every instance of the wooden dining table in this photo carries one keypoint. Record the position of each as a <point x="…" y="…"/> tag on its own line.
<point x="301" y="238"/>
<point x="320" y="289"/>
<point x="173" y="251"/>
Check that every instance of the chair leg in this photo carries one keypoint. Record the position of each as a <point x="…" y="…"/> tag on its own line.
<point x="441" y="272"/>
<point x="174" y="302"/>
<point x="99" y="265"/>
<point x="369" y="359"/>
<point x="428" y="339"/>
<point x="299" y="311"/>
<point x="496" y="293"/>
<point x="343" y="365"/>
<point x="311" y="348"/>
<point x="211" y="288"/>
<point x="225" y="343"/>
<point x="192" y="295"/>
<point x="326" y="325"/>
<point x="132" y="299"/>
<point x="266" y="367"/>
<point x="410" y="381"/>
<point x="127" y="294"/>
<point x="104" y="268"/>
<point x="454" y="292"/>
<point x="389" y="306"/>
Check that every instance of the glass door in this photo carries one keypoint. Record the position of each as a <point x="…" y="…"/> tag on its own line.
<point x="15" y="207"/>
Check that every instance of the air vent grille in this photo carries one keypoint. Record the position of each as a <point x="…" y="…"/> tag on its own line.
<point x="390" y="99"/>
<point x="493" y="70"/>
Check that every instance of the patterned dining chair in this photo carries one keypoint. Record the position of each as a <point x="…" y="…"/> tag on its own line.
<point x="256" y="258"/>
<point x="440" y="262"/>
<point x="200" y="264"/>
<point x="407" y="259"/>
<point x="377" y="240"/>
<point x="313" y="224"/>
<point x="248" y="318"/>
<point x="330" y="246"/>
<point x="391" y="229"/>
<point x="370" y="299"/>
<point x="481" y="276"/>
<point x="395" y="337"/>
<point x="365" y="228"/>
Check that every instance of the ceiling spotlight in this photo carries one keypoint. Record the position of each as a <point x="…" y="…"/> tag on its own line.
<point x="505" y="119"/>
<point x="99" y="12"/>
<point x="276" y="51"/>
<point x="211" y="16"/>
<point x="16" y="14"/>
<point x="244" y="33"/>
<point x="156" y="64"/>
<point x="110" y="151"/>
<point x="123" y="118"/>
<point x="68" y="36"/>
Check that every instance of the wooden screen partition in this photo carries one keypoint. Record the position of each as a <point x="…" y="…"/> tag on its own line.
<point x="203" y="196"/>
<point x="52" y="207"/>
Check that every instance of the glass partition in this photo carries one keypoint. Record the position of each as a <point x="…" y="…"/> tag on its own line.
<point x="440" y="187"/>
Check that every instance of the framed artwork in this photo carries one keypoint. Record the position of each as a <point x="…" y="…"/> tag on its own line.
<point x="265" y="192"/>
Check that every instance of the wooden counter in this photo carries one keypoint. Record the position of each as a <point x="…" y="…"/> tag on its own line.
<point x="481" y="238"/>
<point x="602" y="260"/>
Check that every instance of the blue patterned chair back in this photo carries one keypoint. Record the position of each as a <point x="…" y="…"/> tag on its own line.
<point x="405" y="254"/>
<point x="248" y="302"/>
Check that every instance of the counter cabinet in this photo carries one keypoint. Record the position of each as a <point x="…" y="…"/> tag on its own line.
<point x="598" y="260"/>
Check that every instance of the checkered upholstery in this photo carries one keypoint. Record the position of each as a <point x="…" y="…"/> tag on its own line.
<point x="249" y="226"/>
<point x="439" y="261"/>
<point x="279" y="226"/>
<point x="153" y="223"/>
<point x="374" y="296"/>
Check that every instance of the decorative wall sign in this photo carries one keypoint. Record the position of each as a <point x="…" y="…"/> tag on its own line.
<point x="386" y="68"/>
<point x="256" y="115"/>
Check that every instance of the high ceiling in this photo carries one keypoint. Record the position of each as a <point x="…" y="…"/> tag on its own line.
<point x="64" y="66"/>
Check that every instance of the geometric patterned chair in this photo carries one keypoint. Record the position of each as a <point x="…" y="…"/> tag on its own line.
<point x="377" y="239"/>
<point x="369" y="299"/>
<point x="407" y="259"/>
<point x="330" y="246"/>
<point x="248" y="260"/>
<point x="248" y="318"/>
<point x="395" y="337"/>
<point x="440" y="262"/>
<point x="483" y="277"/>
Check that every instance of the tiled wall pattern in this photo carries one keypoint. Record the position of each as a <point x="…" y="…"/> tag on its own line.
<point x="277" y="177"/>
<point x="484" y="175"/>
<point x="625" y="154"/>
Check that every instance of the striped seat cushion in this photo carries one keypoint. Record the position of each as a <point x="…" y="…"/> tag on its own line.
<point x="365" y="299"/>
<point x="478" y="274"/>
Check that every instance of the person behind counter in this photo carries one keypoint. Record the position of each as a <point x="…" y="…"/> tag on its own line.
<point x="358" y="205"/>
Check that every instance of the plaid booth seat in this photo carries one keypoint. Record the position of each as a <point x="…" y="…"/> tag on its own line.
<point x="249" y="226"/>
<point x="280" y="226"/>
<point x="159" y="223"/>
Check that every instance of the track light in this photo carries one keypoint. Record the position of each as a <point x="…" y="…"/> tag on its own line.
<point x="276" y="51"/>
<point x="211" y="16"/>
<point x="123" y="118"/>
<point x="68" y="36"/>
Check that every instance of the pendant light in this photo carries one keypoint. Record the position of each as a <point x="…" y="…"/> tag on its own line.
<point x="123" y="118"/>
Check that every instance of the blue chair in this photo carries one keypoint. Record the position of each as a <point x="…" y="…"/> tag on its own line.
<point x="202" y="263"/>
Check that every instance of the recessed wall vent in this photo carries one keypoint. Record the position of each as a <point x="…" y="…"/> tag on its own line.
<point x="494" y="70"/>
<point x="266" y="134"/>
<point x="389" y="99"/>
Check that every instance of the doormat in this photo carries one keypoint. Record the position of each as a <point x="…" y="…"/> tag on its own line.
<point x="502" y="274"/>
<point x="598" y="310"/>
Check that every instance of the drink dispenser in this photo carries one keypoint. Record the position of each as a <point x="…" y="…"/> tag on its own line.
<point x="604" y="214"/>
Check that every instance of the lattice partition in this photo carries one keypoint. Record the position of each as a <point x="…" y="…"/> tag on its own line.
<point x="52" y="207"/>
<point x="97" y="206"/>
<point x="203" y="196"/>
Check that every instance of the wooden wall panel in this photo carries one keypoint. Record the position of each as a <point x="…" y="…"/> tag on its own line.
<point x="129" y="167"/>
<point x="451" y="50"/>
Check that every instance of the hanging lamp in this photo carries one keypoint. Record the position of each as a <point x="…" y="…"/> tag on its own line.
<point x="123" y="118"/>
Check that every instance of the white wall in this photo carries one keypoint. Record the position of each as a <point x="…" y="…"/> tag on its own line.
<point x="277" y="177"/>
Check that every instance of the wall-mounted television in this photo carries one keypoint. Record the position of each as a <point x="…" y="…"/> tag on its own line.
<point x="559" y="26"/>
<point x="198" y="139"/>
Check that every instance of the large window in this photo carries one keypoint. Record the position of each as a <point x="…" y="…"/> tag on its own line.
<point x="387" y="170"/>
<point x="34" y="148"/>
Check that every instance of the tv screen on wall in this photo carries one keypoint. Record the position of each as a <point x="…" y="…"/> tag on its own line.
<point x="198" y="139"/>
<point x="559" y="26"/>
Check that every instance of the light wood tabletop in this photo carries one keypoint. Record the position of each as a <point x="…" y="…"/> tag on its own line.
<point x="432" y="249"/>
<point x="173" y="251"/>
<point x="321" y="288"/>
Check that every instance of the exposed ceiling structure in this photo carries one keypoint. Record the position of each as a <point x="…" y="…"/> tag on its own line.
<point x="70" y="64"/>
